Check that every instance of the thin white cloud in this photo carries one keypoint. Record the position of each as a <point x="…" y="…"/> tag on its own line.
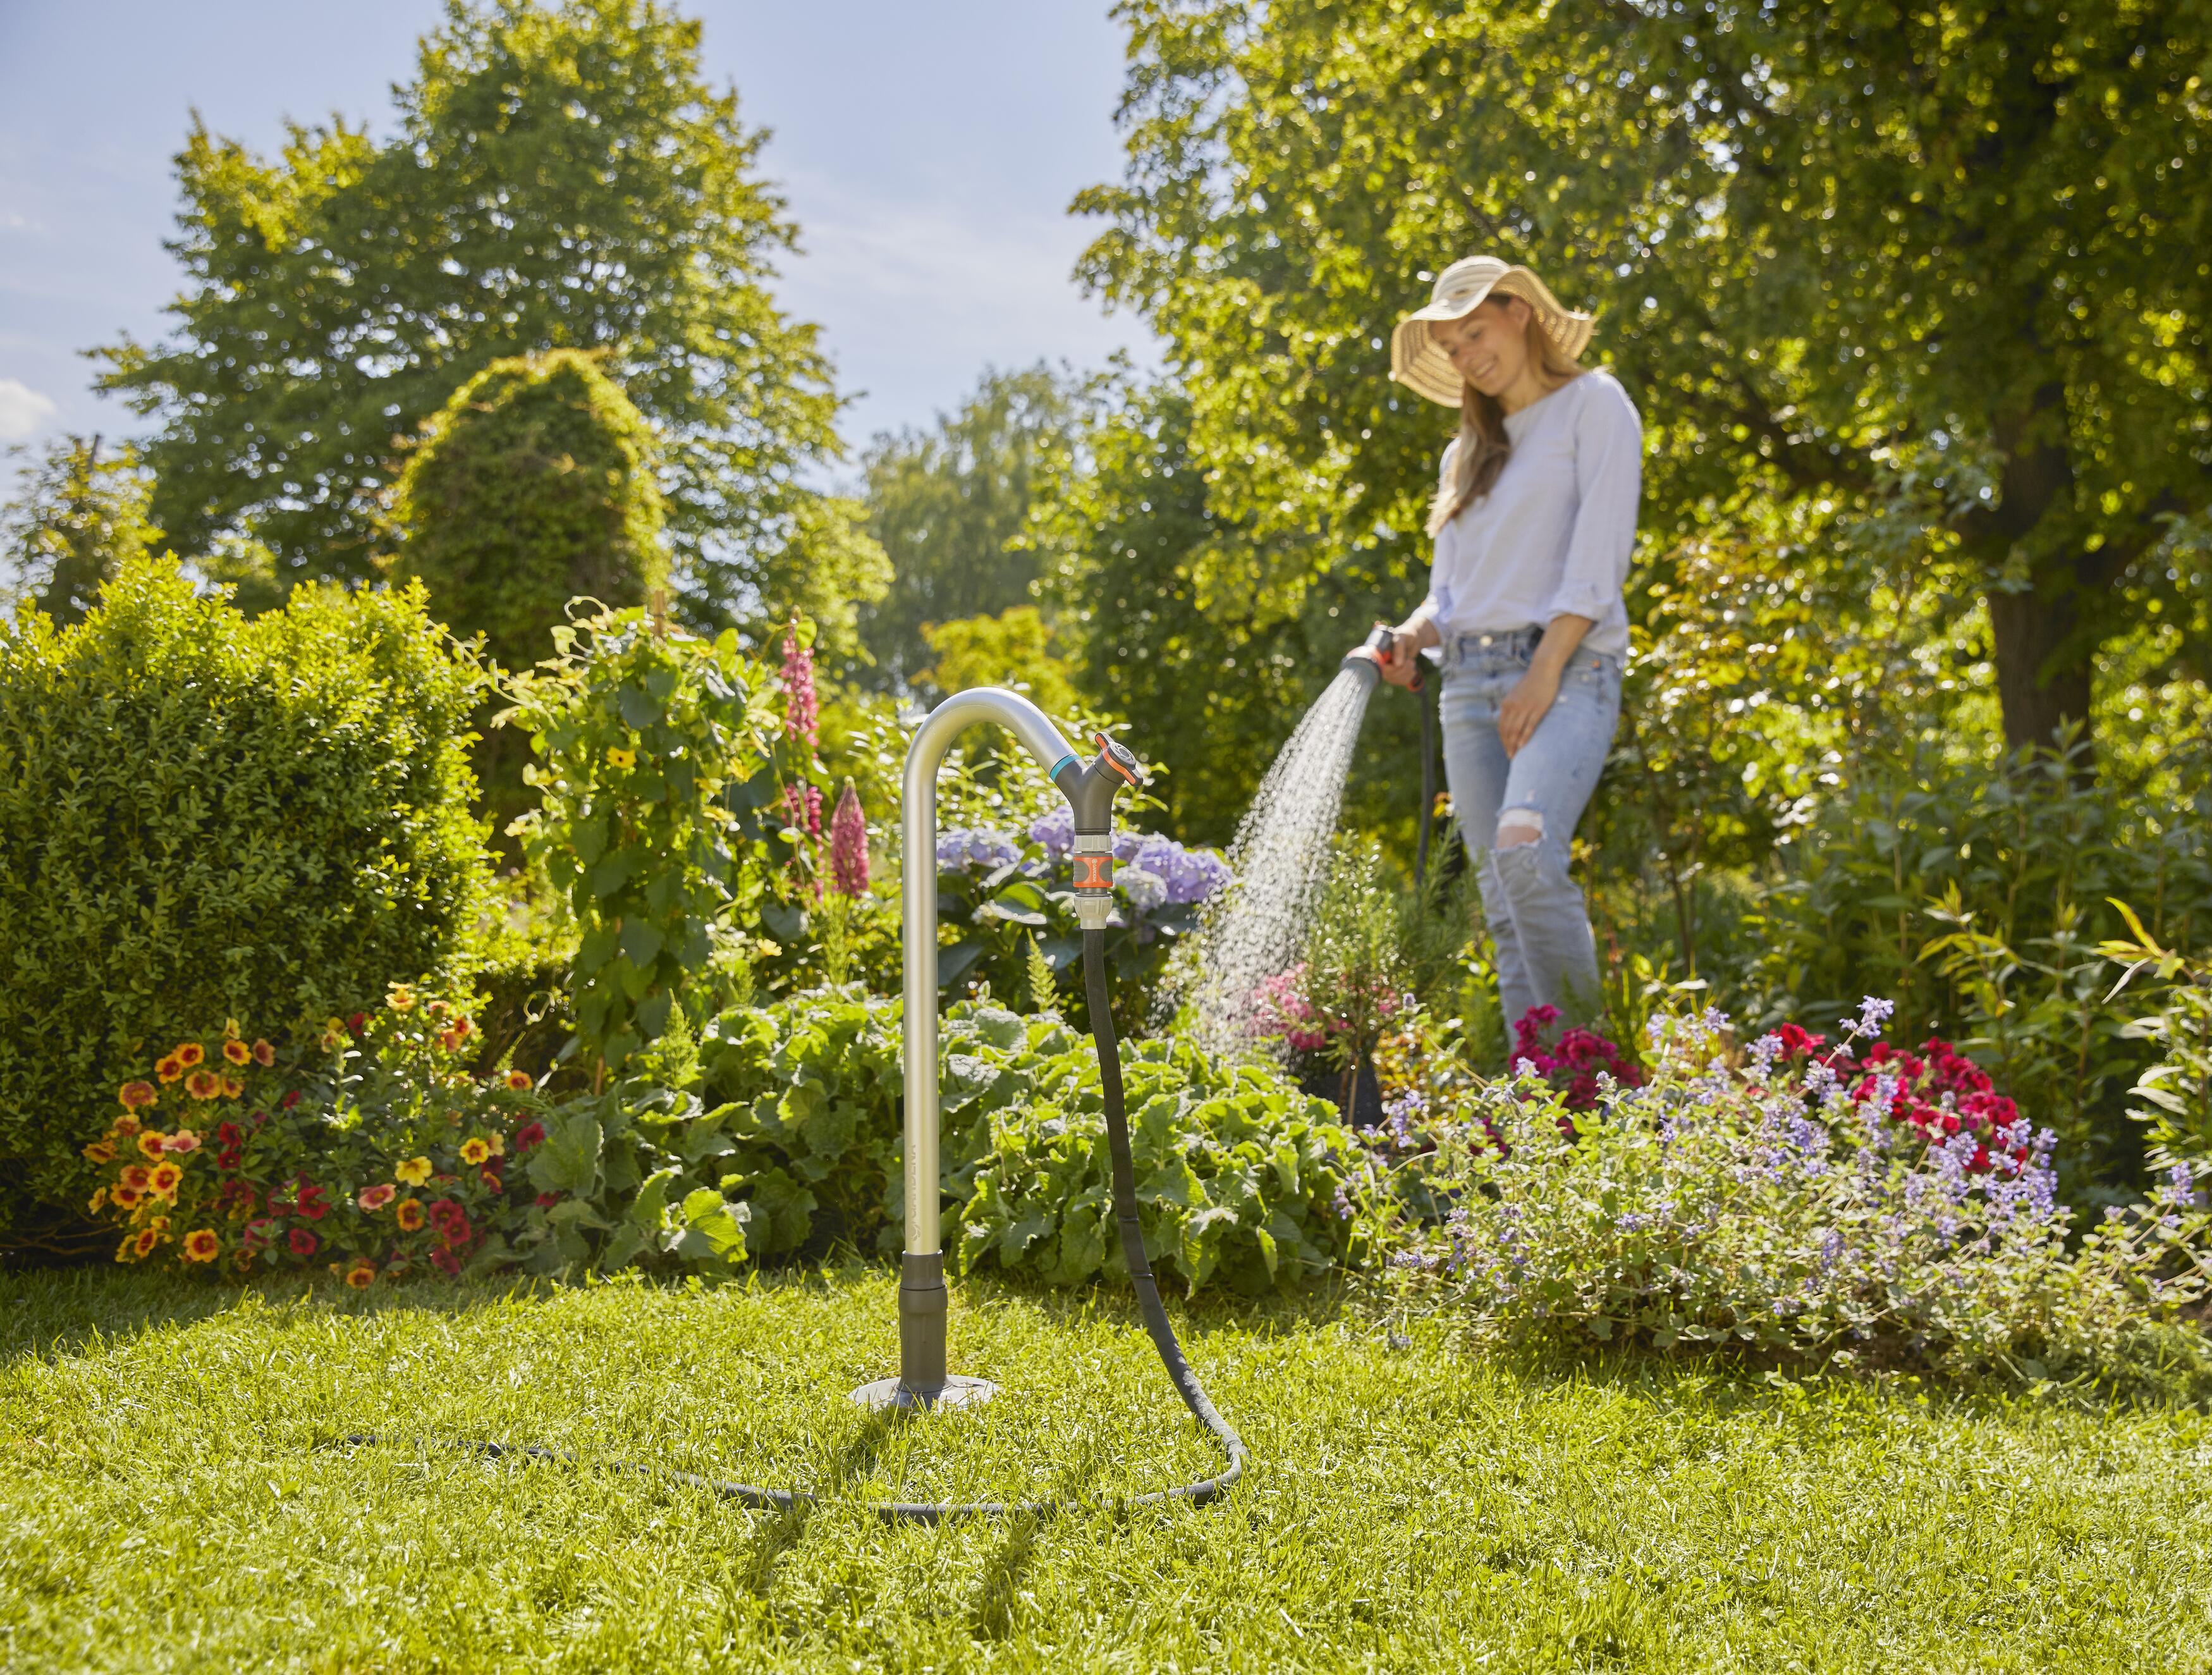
<point x="915" y="296"/>
<point x="23" y="411"/>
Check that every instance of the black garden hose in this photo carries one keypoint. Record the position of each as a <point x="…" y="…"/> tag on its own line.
<point x="1140" y="1278"/>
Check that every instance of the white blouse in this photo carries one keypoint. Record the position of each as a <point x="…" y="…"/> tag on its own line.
<point x="1554" y="534"/>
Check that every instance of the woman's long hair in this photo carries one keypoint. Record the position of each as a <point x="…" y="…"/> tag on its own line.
<point x="1483" y="447"/>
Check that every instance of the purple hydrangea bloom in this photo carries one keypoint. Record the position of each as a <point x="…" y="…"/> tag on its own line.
<point x="967" y="846"/>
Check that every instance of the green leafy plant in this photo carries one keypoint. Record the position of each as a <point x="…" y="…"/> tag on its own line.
<point x="209" y="817"/>
<point x="2176" y="1092"/>
<point x="638" y="726"/>
<point x="1239" y="1174"/>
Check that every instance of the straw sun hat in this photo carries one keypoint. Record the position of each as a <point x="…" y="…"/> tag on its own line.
<point x="1418" y="362"/>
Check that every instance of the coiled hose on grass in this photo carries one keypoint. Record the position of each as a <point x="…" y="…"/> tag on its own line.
<point x="1140" y="1279"/>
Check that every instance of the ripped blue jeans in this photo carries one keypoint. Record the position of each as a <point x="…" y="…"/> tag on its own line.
<point x="1538" y="920"/>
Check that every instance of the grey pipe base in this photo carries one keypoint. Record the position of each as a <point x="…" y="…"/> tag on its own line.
<point x="922" y="1381"/>
<point x="956" y="1391"/>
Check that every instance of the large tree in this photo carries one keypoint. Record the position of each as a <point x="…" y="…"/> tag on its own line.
<point x="562" y="176"/>
<point x="1938" y="268"/>
<point x="948" y="505"/>
<point x="77" y="516"/>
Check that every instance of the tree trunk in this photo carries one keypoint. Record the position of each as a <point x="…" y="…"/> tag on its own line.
<point x="2043" y="666"/>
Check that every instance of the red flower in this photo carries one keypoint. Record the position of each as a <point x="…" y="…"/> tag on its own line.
<point x="530" y="1135"/>
<point x="445" y="1261"/>
<point x="547" y="1200"/>
<point x="356" y="1024"/>
<point x="228" y="1133"/>
<point x="287" y="1102"/>
<point x="301" y="1241"/>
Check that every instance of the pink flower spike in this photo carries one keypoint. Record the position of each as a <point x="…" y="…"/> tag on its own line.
<point x="802" y="717"/>
<point x="848" y="844"/>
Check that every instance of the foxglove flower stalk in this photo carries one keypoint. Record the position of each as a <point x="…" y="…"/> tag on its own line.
<point x="848" y="845"/>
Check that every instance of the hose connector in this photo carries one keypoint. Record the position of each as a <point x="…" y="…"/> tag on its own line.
<point x="1089" y="789"/>
<point x="1368" y="657"/>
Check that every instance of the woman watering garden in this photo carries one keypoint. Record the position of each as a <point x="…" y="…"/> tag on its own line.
<point x="1534" y="521"/>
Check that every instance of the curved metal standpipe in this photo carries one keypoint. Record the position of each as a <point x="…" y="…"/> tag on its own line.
<point x="923" y="1380"/>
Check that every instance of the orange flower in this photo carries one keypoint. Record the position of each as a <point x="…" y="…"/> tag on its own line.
<point x="361" y="1274"/>
<point x="183" y="1143"/>
<point x="133" y="1177"/>
<point x="474" y="1152"/>
<point x="232" y="1088"/>
<point x="137" y="1095"/>
<point x="202" y="1246"/>
<point x="237" y="1052"/>
<point x="263" y="1054"/>
<point x="151" y="1145"/>
<point x="400" y="996"/>
<point x="101" y="1151"/>
<point x="414" y="1171"/>
<point x="519" y="1080"/>
<point x="169" y="1068"/>
<point x="203" y="1084"/>
<point x="411" y="1215"/>
<point x="188" y="1053"/>
<point x="163" y="1183"/>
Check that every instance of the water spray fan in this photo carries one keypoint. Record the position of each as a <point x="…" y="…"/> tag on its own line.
<point x="923" y="1380"/>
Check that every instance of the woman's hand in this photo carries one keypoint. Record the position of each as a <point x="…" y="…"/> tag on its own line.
<point x="1526" y="705"/>
<point x="1402" y="667"/>
<point x="1530" y="700"/>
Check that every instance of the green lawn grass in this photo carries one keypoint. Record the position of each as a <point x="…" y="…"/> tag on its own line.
<point x="169" y="1498"/>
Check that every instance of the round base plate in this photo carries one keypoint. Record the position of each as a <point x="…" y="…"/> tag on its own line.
<point x="957" y="1392"/>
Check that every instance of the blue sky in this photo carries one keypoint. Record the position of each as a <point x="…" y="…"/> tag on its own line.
<point x="928" y="154"/>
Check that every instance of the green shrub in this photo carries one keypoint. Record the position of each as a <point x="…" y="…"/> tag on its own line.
<point x="1237" y="1172"/>
<point x="532" y="485"/>
<point x="205" y="817"/>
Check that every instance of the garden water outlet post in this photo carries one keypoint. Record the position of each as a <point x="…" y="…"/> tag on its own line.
<point x="923" y="1378"/>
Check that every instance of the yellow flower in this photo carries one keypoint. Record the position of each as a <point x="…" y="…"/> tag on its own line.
<point x="230" y="1030"/>
<point x="619" y="758"/>
<point x="361" y="1274"/>
<point x="101" y="1151"/>
<point x="498" y="1146"/>
<point x="202" y="1246"/>
<point x="152" y="1145"/>
<point x="474" y="1152"/>
<point x="163" y="1183"/>
<point x="414" y="1171"/>
<point x="519" y="1080"/>
<point x="410" y="1214"/>
<point x="334" y="1034"/>
<point x="400" y="997"/>
<point x="236" y="1051"/>
<point x="97" y="1199"/>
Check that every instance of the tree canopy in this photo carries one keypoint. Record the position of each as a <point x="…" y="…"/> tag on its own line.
<point x="1937" y="279"/>
<point x="948" y="505"/>
<point x="561" y="176"/>
<point x="77" y="517"/>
